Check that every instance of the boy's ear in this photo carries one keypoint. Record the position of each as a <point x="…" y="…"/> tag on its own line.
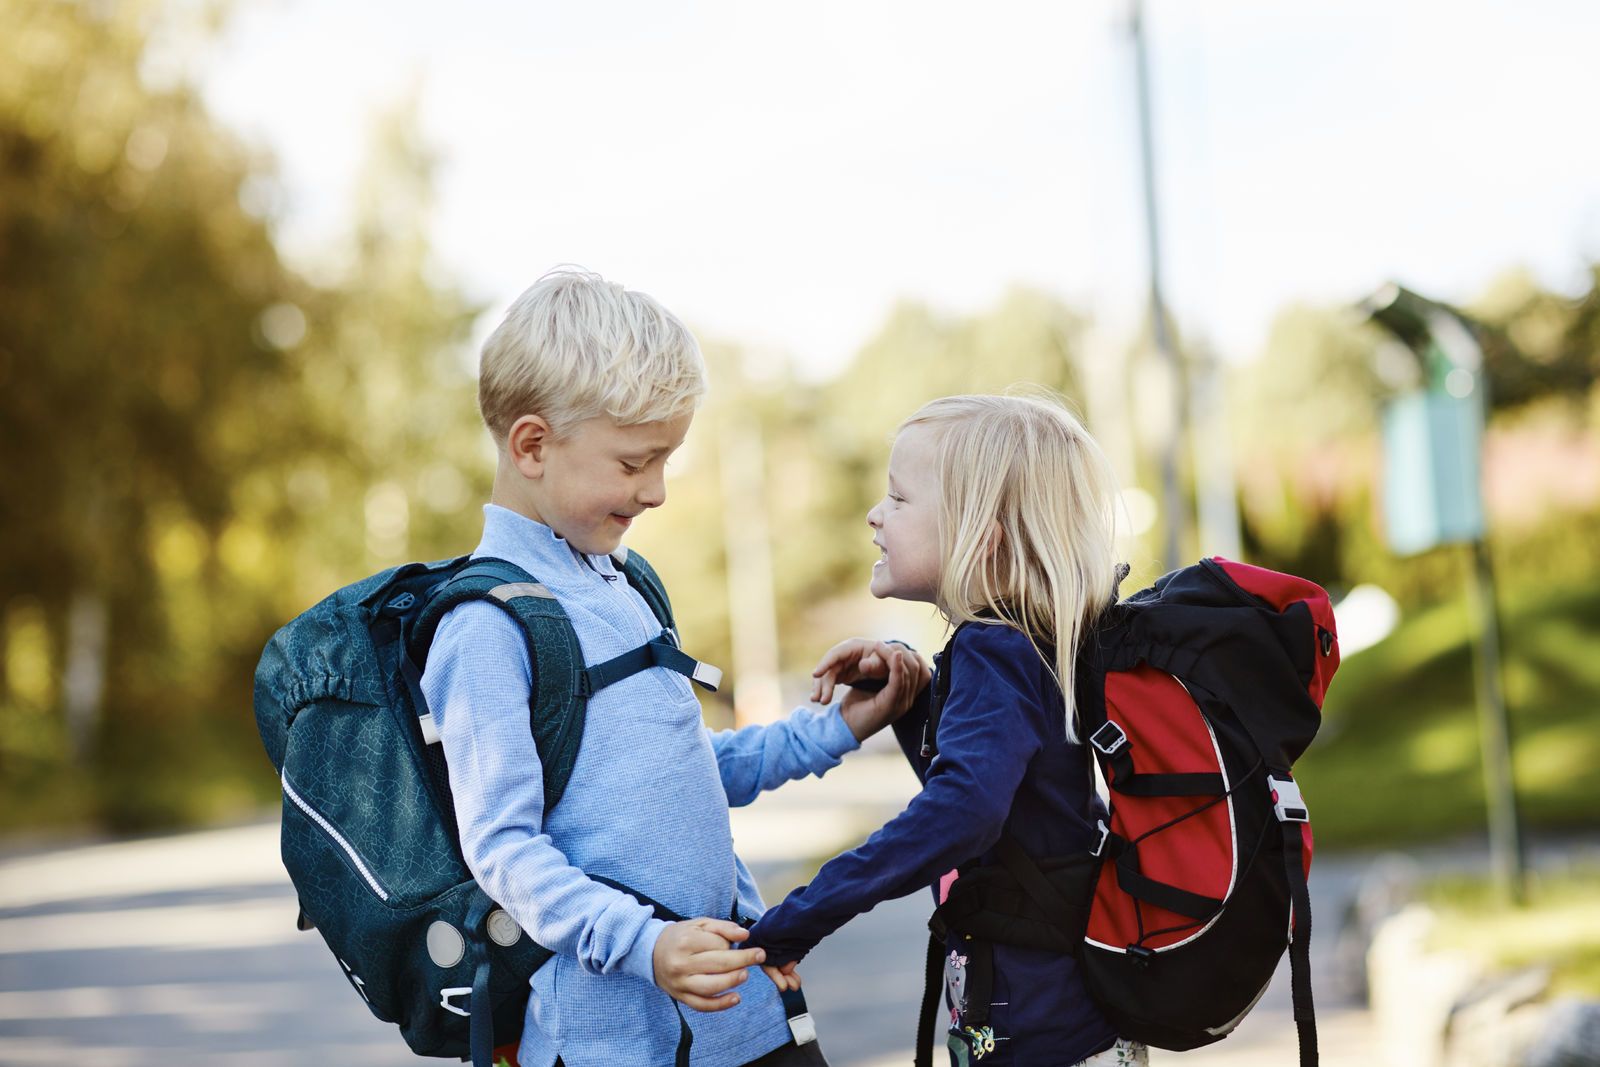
<point x="526" y="442"/>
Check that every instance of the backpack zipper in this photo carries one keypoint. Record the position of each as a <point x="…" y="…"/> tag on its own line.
<point x="338" y="838"/>
<point x="1225" y="580"/>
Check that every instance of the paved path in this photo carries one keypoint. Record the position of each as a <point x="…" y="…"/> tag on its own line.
<point x="183" y="950"/>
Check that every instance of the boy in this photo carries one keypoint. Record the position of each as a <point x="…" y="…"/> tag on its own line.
<point x="587" y="389"/>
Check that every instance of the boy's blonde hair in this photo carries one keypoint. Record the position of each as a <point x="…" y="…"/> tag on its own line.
<point x="574" y="346"/>
<point x="1026" y="465"/>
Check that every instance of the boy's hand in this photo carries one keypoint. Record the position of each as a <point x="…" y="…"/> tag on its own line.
<point x="903" y="672"/>
<point x="696" y="964"/>
<point x="785" y="977"/>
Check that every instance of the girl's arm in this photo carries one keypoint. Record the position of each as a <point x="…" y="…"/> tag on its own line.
<point x="991" y="728"/>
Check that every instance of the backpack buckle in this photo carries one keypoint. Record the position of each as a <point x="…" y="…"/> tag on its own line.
<point x="802" y="1029"/>
<point x="706" y="675"/>
<point x="1108" y="739"/>
<point x="455" y="991"/>
<point x="1287" y="801"/>
<point x="1102" y="835"/>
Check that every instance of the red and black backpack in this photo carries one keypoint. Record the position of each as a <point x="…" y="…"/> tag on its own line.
<point x="1195" y="697"/>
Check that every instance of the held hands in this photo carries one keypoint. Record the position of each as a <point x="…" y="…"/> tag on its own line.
<point x="901" y="672"/>
<point x="785" y="977"/>
<point x="696" y="963"/>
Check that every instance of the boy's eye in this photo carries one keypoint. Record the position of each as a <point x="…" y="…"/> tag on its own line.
<point x="630" y="468"/>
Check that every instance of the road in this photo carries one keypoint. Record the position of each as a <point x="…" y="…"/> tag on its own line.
<point x="183" y="950"/>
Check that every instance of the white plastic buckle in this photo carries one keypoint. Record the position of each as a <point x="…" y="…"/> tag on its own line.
<point x="1103" y="834"/>
<point x="455" y="991"/>
<point x="1287" y="801"/>
<point x="430" y="729"/>
<point x="1110" y="745"/>
<point x="803" y="1029"/>
<point x="707" y="675"/>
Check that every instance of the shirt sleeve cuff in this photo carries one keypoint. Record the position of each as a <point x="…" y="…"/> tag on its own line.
<point x="640" y="960"/>
<point x="836" y="738"/>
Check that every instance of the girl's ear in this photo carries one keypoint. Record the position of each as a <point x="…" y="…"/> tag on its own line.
<point x="993" y="540"/>
<point x="526" y="442"/>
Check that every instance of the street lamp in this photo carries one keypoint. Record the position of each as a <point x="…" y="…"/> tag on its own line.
<point x="1433" y="444"/>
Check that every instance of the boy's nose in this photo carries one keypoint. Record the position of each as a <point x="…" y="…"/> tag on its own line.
<point x="653" y="492"/>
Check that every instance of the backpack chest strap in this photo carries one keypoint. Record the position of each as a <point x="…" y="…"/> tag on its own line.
<point x="659" y="651"/>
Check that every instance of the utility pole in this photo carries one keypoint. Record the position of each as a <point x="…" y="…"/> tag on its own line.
<point x="1175" y="422"/>
<point x="752" y="611"/>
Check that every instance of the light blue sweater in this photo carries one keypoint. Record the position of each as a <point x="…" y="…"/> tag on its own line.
<point x="647" y="806"/>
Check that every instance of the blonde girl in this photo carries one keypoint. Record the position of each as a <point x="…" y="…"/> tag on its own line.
<point x="999" y="513"/>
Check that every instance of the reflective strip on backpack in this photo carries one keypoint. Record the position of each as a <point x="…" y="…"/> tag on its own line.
<point x="510" y="591"/>
<point x="338" y="838"/>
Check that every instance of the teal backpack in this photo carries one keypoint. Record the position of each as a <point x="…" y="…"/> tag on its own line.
<point x="369" y="831"/>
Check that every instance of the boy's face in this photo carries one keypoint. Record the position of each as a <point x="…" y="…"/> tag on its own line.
<point x="905" y="523"/>
<point x="591" y="483"/>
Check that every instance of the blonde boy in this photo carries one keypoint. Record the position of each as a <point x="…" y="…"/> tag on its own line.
<point x="587" y="389"/>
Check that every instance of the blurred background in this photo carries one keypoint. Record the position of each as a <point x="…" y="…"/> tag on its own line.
<point x="1324" y="282"/>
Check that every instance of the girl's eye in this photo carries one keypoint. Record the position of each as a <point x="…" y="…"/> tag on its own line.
<point x="897" y="498"/>
<point x="631" y="469"/>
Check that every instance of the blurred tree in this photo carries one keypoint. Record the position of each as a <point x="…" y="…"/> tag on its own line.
<point x="826" y="448"/>
<point x="1307" y="428"/>
<point x="134" y="292"/>
<point x="1537" y="343"/>
<point x="182" y="420"/>
<point x="394" y="384"/>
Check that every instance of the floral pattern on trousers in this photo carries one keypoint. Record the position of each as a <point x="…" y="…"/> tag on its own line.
<point x="1123" y="1054"/>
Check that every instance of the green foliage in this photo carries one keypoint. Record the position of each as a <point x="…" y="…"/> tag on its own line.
<point x="193" y="432"/>
<point x="1559" y="928"/>
<point x="200" y="442"/>
<point x="1398" y="756"/>
<point x="1306" y="426"/>
<point x="825" y="449"/>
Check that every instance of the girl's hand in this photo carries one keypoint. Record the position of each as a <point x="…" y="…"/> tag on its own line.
<point x="901" y="671"/>
<point x="785" y="977"/>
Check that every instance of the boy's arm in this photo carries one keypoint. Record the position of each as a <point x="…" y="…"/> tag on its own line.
<point x="812" y="741"/>
<point x="477" y="685"/>
<point x="809" y="741"/>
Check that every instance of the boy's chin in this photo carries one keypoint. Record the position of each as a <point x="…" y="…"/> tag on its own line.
<point x="598" y="545"/>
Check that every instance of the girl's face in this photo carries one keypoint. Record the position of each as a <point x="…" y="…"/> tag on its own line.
<point x="905" y="523"/>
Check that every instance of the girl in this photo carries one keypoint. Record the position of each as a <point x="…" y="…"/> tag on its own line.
<point x="999" y="513"/>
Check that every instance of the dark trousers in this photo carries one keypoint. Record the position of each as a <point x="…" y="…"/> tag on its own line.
<point x="790" y="1055"/>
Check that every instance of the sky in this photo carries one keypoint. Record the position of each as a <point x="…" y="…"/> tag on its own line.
<point x="781" y="175"/>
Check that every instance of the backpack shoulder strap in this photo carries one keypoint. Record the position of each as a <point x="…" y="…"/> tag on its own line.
<point x="648" y="584"/>
<point x="556" y="705"/>
<point x="664" y="651"/>
<point x="943" y="668"/>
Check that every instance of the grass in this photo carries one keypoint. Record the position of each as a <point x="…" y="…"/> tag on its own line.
<point x="1398" y="758"/>
<point x="1560" y="926"/>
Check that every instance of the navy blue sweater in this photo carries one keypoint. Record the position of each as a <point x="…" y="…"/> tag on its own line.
<point x="1004" y="766"/>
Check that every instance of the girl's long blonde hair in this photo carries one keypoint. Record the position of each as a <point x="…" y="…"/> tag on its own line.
<point x="1023" y="465"/>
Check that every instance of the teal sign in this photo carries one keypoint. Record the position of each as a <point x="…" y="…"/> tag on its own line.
<point x="1431" y="491"/>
